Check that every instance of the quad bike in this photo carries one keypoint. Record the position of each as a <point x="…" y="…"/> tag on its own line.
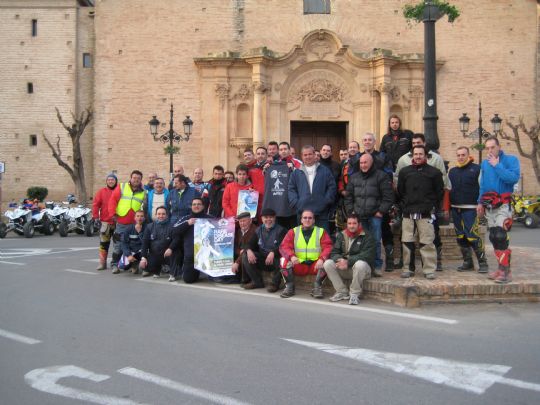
<point x="526" y="209"/>
<point x="25" y="219"/>
<point x="57" y="213"/>
<point x="77" y="219"/>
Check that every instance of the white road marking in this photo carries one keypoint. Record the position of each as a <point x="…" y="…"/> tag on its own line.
<point x="16" y="253"/>
<point x="81" y="272"/>
<point x="92" y="260"/>
<point x="471" y="377"/>
<point x="18" y="338"/>
<point x="186" y="389"/>
<point x="17" y="264"/>
<point x="46" y="380"/>
<point x="310" y="301"/>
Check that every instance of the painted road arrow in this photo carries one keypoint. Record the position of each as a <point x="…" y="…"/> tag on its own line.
<point x="471" y="377"/>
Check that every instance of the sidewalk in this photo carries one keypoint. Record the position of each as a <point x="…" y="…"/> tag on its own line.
<point x="452" y="286"/>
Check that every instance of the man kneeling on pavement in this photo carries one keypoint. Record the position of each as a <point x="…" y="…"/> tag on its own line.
<point x="303" y="251"/>
<point x="352" y="258"/>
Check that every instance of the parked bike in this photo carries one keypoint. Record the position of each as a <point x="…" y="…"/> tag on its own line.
<point x="77" y="219"/>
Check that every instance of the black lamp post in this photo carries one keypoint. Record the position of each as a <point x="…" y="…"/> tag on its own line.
<point x="171" y="136"/>
<point x="480" y="133"/>
<point x="430" y="17"/>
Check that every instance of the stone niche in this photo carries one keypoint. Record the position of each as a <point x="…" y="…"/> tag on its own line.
<point x="251" y="98"/>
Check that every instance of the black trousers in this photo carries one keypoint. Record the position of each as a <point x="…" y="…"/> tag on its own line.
<point x="254" y="271"/>
<point x="155" y="261"/>
<point x="189" y="274"/>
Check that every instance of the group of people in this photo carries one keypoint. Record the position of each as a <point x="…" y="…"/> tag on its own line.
<point x="315" y="215"/>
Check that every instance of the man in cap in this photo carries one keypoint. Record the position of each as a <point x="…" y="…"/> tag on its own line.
<point x="262" y="253"/>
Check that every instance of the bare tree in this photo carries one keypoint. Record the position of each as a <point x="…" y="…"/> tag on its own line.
<point x="75" y="131"/>
<point x="532" y="133"/>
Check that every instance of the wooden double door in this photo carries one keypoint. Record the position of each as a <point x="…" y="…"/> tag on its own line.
<point x="319" y="133"/>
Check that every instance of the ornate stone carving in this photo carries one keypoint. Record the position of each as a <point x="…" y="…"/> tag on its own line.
<point x="222" y="91"/>
<point x="319" y="90"/>
<point x="241" y="144"/>
<point x="277" y="86"/>
<point x="339" y="60"/>
<point x="416" y="93"/>
<point x="243" y="92"/>
<point x="384" y="87"/>
<point x="259" y="87"/>
<point x="395" y="93"/>
<point x="320" y="48"/>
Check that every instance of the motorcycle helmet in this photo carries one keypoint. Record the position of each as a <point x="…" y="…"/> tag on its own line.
<point x="71" y="198"/>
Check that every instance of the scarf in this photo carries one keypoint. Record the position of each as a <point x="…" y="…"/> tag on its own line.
<point x="470" y="160"/>
<point x="352" y="235"/>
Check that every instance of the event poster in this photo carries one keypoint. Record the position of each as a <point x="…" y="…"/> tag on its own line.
<point x="214" y="246"/>
<point x="247" y="202"/>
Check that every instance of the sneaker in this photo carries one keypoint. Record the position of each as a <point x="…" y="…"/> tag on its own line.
<point x="430" y="276"/>
<point x="155" y="276"/>
<point x="339" y="296"/>
<point x="406" y="274"/>
<point x="317" y="292"/>
<point x="145" y="273"/>
<point x="287" y="292"/>
<point x="353" y="300"/>
<point x="376" y="273"/>
<point x="172" y="278"/>
<point x="115" y="269"/>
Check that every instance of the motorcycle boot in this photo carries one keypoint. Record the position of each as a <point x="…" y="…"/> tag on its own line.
<point x="317" y="285"/>
<point x="439" y="259"/>
<point x="389" y="252"/>
<point x="505" y="274"/>
<point x="114" y="262"/>
<point x="467" y="264"/>
<point x="482" y="261"/>
<point x="288" y="275"/>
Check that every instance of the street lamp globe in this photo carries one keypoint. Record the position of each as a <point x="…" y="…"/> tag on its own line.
<point x="464" y="123"/>
<point x="154" y="125"/>
<point x="188" y="126"/>
<point x="496" y="122"/>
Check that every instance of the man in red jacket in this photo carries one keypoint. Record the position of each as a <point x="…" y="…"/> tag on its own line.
<point x="256" y="175"/>
<point x="303" y="251"/>
<point x="230" y="196"/>
<point x="100" y="211"/>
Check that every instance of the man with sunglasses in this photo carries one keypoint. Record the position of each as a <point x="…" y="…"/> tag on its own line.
<point x="304" y="251"/>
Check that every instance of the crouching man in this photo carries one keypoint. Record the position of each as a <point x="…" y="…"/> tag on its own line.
<point x="263" y="252"/>
<point x="352" y="258"/>
<point x="303" y="251"/>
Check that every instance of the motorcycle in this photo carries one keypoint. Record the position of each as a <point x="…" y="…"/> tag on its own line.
<point x="526" y="209"/>
<point x="77" y="219"/>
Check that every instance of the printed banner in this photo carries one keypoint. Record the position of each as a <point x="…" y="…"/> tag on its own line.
<point x="247" y="202"/>
<point x="214" y="246"/>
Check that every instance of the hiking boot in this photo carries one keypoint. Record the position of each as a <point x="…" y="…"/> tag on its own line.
<point x="115" y="269"/>
<point x="406" y="274"/>
<point x="430" y="276"/>
<point x="376" y="273"/>
<point x="251" y="286"/>
<point x="353" y="300"/>
<point x="504" y="277"/>
<point x="272" y="288"/>
<point x="339" y="296"/>
<point x="483" y="266"/>
<point x="287" y="292"/>
<point x="317" y="292"/>
<point x="467" y="264"/>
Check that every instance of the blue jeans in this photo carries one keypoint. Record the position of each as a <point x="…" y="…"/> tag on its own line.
<point x="373" y="226"/>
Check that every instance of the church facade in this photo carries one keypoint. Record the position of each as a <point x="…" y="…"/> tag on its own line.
<point x="251" y="71"/>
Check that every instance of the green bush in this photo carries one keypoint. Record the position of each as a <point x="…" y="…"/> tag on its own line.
<point x="37" y="193"/>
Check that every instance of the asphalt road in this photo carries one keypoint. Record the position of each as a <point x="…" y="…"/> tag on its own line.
<point x="69" y="334"/>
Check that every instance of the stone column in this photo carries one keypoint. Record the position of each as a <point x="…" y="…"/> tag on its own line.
<point x="384" y="91"/>
<point x="258" y="93"/>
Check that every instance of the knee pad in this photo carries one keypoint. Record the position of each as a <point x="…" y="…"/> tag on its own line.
<point x="498" y="238"/>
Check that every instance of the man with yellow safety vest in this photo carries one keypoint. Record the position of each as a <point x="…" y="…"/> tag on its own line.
<point x="126" y="200"/>
<point x="303" y="251"/>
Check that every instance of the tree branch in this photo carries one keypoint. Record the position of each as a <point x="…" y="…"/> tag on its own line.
<point x="516" y="139"/>
<point x="57" y="154"/>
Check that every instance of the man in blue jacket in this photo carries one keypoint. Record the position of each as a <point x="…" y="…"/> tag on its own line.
<point x="157" y="197"/>
<point x="312" y="187"/>
<point x="499" y="173"/>
<point x="180" y="198"/>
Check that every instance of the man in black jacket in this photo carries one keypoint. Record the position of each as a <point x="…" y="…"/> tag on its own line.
<point x="370" y="196"/>
<point x="420" y="187"/>
<point x="263" y="252"/>
<point x="463" y="199"/>
<point x="397" y="142"/>
<point x="215" y="193"/>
